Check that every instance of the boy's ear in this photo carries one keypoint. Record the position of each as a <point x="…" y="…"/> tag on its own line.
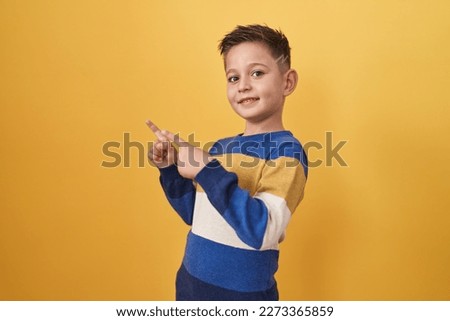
<point x="291" y="80"/>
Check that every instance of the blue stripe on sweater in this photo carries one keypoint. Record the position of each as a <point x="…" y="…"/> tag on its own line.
<point x="189" y="288"/>
<point x="228" y="267"/>
<point x="268" y="146"/>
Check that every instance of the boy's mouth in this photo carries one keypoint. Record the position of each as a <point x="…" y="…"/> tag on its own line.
<point x="248" y="100"/>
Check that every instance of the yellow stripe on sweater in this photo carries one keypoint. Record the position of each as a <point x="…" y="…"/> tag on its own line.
<point x="283" y="177"/>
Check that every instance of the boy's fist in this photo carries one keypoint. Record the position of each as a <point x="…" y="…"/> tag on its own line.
<point x="190" y="159"/>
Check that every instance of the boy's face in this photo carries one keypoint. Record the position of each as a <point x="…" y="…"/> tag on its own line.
<point x="255" y="83"/>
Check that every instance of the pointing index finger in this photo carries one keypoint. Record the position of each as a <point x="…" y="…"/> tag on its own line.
<point x="175" y="138"/>
<point x="155" y="130"/>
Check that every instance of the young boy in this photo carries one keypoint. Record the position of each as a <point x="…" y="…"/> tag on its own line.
<point x="239" y="197"/>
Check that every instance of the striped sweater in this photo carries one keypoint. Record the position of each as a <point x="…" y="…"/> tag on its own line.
<point x="238" y="207"/>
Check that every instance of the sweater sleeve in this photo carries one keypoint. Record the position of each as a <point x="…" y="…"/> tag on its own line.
<point x="259" y="220"/>
<point x="179" y="191"/>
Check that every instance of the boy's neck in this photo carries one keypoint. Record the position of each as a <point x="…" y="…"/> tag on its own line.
<point x="259" y="128"/>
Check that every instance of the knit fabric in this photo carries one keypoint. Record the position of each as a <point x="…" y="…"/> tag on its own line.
<point x="238" y="207"/>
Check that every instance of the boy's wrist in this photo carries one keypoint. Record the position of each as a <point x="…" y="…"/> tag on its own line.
<point x="193" y="170"/>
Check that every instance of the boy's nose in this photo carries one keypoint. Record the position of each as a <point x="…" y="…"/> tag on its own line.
<point x="244" y="84"/>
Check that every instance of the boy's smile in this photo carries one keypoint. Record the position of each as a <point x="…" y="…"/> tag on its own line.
<point x="248" y="100"/>
<point x="256" y="87"/>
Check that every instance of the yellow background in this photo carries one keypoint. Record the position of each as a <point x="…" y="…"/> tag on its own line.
<point x="77" y="74"/>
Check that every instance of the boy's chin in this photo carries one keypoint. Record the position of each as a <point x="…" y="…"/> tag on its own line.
<point x="248" y="117"/>
<point x="252" y="115"/>
<point x="247" y="113"/>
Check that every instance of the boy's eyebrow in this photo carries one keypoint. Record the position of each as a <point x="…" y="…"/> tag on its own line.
<point x="249" y="66"/>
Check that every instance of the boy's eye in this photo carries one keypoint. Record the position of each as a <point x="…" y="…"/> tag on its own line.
<point x="233" y="79"/>
<point x="257" y="73"/>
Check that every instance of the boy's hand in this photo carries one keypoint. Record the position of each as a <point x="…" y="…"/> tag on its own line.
<point x="191" y="159"/>
<point x="162" y="154"/>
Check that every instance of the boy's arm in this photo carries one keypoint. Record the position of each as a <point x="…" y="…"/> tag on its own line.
<point x="179" y="191"/>
<point x="259" y="220"/>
